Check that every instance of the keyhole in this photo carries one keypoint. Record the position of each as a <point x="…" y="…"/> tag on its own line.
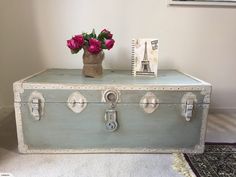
<point x="111" y="97"/>
<point x="110" y="125"/>
<point x="110" y="118"/>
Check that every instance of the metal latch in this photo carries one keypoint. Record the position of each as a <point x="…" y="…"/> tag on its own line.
<point x="35" y="108"/>
<point x="111" y="97"/>
<point x="36" y="105"/>
<point x="110" y="118"/>
<point x="187" y="103"/>
<point x="189" y="110"/>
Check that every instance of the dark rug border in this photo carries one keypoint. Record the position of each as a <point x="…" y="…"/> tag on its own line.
<point x="215" y="143"/>
<point x="191" y="166"/>
<point x="207" y="143"/>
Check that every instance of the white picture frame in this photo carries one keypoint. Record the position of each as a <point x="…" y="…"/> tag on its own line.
<point x="203" y="2"/>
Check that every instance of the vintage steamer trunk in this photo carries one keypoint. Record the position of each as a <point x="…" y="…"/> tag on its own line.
<point x="60" y="111"/>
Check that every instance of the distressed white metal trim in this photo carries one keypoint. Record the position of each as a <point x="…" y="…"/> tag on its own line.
<point x="205" y="91"/>
<point x="18" y="86"/>
<point x="202" y="86"/>
<point x="20" y="137"/>
<point x="171" y="87"/>
<point x="197" y="149"/>
<point x="171" y="2"/>
<point x="204" y="125"/>
<point x="199" y="80"/>
<point x="18" y="90"/>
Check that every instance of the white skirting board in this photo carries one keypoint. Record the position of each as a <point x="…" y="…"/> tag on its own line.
<point x="223" y="110"/>
<point x="202" y="3"/>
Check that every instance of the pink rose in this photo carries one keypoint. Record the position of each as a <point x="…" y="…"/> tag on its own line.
<point x="109" y="43"/>
<point x="94" y="46"/>
<point x="79" y="39"/>
<point x="107" y="33"/>
<point x="72" y="44"/>
<point x="75" y="43"/>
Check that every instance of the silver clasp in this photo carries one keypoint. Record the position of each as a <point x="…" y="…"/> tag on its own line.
<point x="110" y="118"/>
<point x="111" y="97"/>
<point x="35" y="108"/>
<point x="189" y="110"/>
<point x="36" y="105"/>
<point x="188" y="101"/>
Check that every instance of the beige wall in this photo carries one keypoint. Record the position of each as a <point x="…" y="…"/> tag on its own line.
<point x="198" y="40"/>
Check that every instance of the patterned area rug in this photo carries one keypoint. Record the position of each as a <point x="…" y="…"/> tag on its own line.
<point x="218" y="160"/>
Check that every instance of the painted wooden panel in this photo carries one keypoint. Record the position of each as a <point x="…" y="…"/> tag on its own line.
<point x="60" y="128"/>
<point x="74" y="76"/>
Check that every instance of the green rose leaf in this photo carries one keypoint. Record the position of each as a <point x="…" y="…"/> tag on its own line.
<point x="104" y="46"/>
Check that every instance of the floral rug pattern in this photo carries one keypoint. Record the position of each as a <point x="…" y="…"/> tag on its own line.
<point x="218" y="160"/>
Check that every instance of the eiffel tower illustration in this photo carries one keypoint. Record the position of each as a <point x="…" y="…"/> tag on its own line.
<point x="145" y="64"/>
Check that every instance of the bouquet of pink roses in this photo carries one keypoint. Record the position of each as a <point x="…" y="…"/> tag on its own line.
<point x="91" y="42"/>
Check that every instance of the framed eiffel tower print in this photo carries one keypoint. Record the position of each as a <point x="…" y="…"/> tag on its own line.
<point x="144" y="57"/>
